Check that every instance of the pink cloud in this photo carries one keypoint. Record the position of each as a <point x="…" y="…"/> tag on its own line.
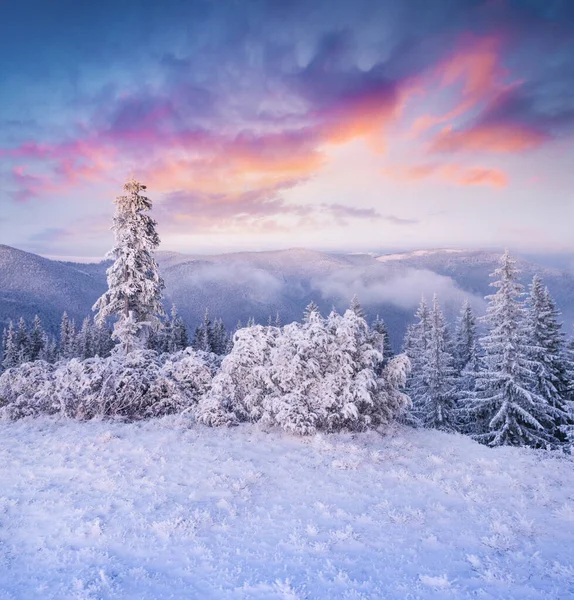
<point x="450" y="173"/>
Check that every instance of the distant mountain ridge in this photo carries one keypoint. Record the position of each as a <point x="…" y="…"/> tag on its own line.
<point x="239" y="285"/>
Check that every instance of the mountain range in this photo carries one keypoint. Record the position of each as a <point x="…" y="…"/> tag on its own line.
<point x="240" y="285"/>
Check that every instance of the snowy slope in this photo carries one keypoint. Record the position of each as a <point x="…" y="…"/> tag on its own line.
<point x="31" y="284"/>
<point x="157" y="510"/>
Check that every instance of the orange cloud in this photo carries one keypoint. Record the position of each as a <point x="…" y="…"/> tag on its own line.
<point x="500" y="138"/>
<point x="451" y="173"/>
<point x="475" y="64"/>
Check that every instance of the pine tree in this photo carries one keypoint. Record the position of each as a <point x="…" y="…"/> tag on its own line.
<point x="381" y="338"/>
<point x="356" y="307"/>
<point x="505" y="403"/>
<point x="465" y="339"/>
<point x="251" y="322"/>
<point x="37" y="339"/>
<point x="177" y="334"/>
<point x="10" y="350"/>
<point x="220" y="338"/>
<point x="417" y="339"/>
<point x="67" y="347"/>
<point x="466" y="353"/>
<point x="84" y="340"/>
<point x="203" y="336"/>
<point x="548" y="351"/>
<point x="309" y="310"/>
<point x="437" y="392"/>
<point x="103" y="343"/>
<point x="22" y="341"/>
<point x="134" y="283"/>
<point x="49" y="352"/>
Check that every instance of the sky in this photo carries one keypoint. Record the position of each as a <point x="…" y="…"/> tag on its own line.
<point x="262" y="124"/>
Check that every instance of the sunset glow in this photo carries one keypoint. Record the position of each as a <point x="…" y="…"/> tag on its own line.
<point x="255" y="125"/>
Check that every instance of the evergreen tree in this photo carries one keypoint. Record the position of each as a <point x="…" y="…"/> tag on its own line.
<point x="103" y="343"/>
<point x="84" y="340"/>
<point x="251" y="322"/>
<point x="220" y="338"/>
<point x="37" y="339"/>
<point x="415" y="345"/>
<point x="548" y="351"/>
<point x="49" y="352"/>
<point x="356" y="307"/>
<point x="22" y="341"/>
<point x="465" y="339"/>
<point x="177" y="333"/>
<point x="505" y="403"/>
<point x="67" y="347"/>
<point x="381" y="338"/>
<point x="309" y="310"/>
<point x="134" y="283"/>
<point x="466" y="350"/>
<point x="203" y="336"/>
<point x="437" y="391"/>
<point x="10" y="349"/>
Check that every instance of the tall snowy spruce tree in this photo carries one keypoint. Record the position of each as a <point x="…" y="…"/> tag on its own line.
<point x="415" y="345"/>
<point x="548" y="351"/>
<point x="506" y="403"/>
<point x="134" y="283"/>
<point x="466" y="348"/>
<point x="437" y="391"/>
<point x="381" y="338"/>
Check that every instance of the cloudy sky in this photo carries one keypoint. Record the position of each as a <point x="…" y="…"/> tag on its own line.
<point x="363" y="125"/>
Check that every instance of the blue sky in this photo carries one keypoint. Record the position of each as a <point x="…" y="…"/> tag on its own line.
<point x="333" y="125"/>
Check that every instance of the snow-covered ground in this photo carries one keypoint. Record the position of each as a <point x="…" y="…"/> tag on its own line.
<point x="157" y="510"/>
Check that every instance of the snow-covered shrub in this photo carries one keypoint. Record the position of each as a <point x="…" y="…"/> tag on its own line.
<point x="25" y="390"/>
<point x="318" y="375"/>
<point x="184" y="378"/>
<point x="135" y="386"/>
<point x="238" y="391"/>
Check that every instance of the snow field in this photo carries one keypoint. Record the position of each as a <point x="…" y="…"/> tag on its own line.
<point x="160" y="509"/>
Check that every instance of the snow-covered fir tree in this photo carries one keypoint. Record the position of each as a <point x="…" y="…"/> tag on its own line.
<point x="465" y="337"/>
<point x="22" y="341"/>
<point x="103" y="343"/>
<point x="67" y="348"/>
<point x="505" y="404"/>
<point x="203" y="335"/>
<point x="84" y="340"/>
<point x="309" y="310"/>
<point x="548" y="351"/>
<point x="10" y="349"/>
<point x="38" y="339"/>
<point x="49" y="352"/>
<point x="381" y="338"/>
<point x="466" y="348"/>
<point x="220" y="340"/>
<point x="356" y="307"/>
<point x="178" y="339"/>
<point x="435" y="404"/>
<point x="415" y="345"/>
<point x="135" y="286"/>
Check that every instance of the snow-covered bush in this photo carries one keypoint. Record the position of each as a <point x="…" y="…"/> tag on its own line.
<point x="318" y="375"/>
<point x="25" y="390"/>
<point x="135" y="386"/>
